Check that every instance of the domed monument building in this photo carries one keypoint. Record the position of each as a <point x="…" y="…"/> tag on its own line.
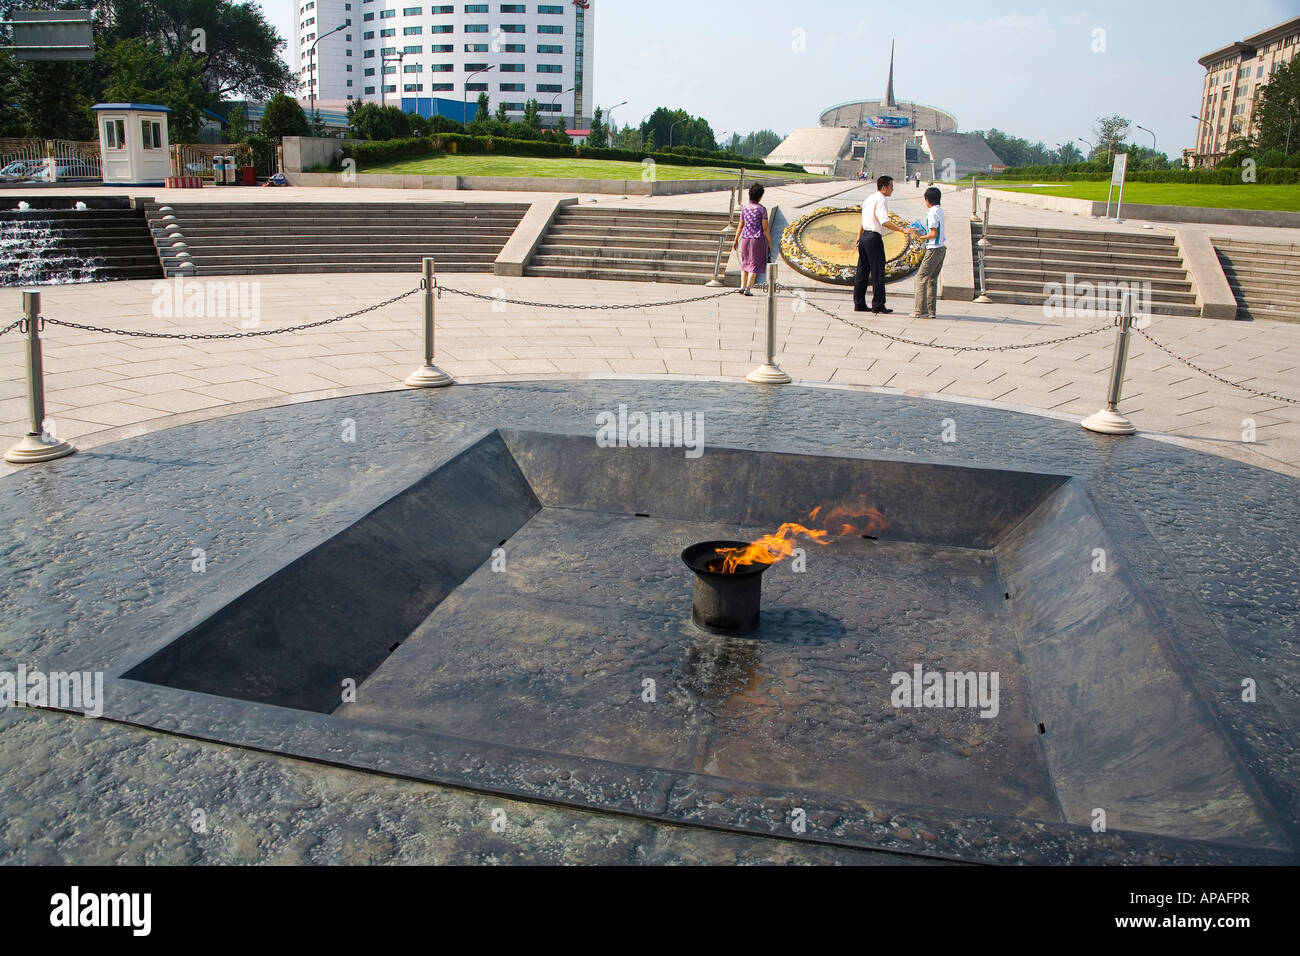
<point x="886" y="137"/>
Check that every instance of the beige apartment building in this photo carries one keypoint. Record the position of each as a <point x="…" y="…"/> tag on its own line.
<point x="1234" y="74"/>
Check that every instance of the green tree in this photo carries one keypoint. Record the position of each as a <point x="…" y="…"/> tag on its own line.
<point x="1277" y="110"/>
<point x="284" y="117"/>
<point x="650" y="142"/>
<point x="375" y="122"/>
<point x="531" y="116"/>
<point x="1110" y="132"/>
<point x="599" y="134"/>
<point x="502" y="115"/>
<point x="142" y="73"/>
<point x="237" y="48"/>
<point x="679" y="128"/>
<point x="756" y="144"/>
<point x="11" y="117"/>
<point x="237" y="123"/>
<point x="484" y="110"/>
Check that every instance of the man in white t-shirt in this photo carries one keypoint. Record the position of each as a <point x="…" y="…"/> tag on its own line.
<point x="936" y="247"/>
<point x="871" y="248"/>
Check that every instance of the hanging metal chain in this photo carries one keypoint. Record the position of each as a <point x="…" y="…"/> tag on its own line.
<point x="956" y="348"/>
<point x="12" y="325"/>
<point x="598" y="308"/>
<point x="1217" y="378"/>
<point x="228" y="335"/>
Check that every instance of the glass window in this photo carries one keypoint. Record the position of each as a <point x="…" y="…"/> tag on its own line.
<point x="476" y="87"/>
<point x="550" y="88"/>
<point x="152" y="134"/>
<point x="370" y="71"/>
<point x="412" y="31"/>
<point x="387" y="14"/>
<point x="476" y="28"/>
<point x="391" y="31"/>
<point x="511" y="87"/>
<point x="514" y="48"/>
<point x="514" y="8"/>
<point x="445" y="28"/>
<point x="441" y="48"/>
<point x="413" y="49"/>
<point x="367" y="54"/>
<point x="413" y="68"/>
<point x="370" y="90"/>
<point x="367" y="17"/>
<point x="412" y="87"/>
<point x="512" y="68"/>
<point x="550" y="28"/>
<point x="442" y="87"/>
<point x="471" y="67"/>
<point x="448" y="8"/>
<point x="412" y="11"/>
<point x="476" y="48"/>
<point x="549" y="68"/>
<point x="550" y="9"/>
<point x="115" y="134"/>
<point x="513" y="28"/>
<point x="549" y="48"/>
<point x="368" y="35"/>
<point x="442" y="68"/>
<point x="476" y="8"/>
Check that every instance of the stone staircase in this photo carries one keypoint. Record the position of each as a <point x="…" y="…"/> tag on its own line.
<point x="55" y="246"/>
<point x="647" y="245"/>
<point x="1264" y="276"/>
<point x="288" y="237"/>
<point x="1022" y="261"/>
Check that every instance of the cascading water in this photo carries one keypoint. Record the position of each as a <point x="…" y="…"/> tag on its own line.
<point x="31" y="253"/>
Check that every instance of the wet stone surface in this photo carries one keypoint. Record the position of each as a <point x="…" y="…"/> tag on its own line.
<point x="98" y="573"/>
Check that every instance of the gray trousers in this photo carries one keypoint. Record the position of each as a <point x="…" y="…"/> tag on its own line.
<point x="927" y="282"/>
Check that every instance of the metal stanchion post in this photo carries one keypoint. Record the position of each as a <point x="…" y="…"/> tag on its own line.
<point x="768" y="373"/>
<point x="1109" y="421"/>
<point x="35" y="445"/>
<point x="716" y="282"/>
<point x="983" y="245"/>
<point x="428" y="375"/>
<point x="974" y="199"/>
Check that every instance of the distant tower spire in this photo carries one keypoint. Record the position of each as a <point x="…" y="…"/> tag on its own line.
<point x="889" y="89"/>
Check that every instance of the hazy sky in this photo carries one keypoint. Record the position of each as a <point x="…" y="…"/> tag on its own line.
<point x="1026" y="68"/>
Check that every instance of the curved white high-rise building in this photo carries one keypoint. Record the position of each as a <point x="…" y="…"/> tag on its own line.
<point x="411" y="53"/>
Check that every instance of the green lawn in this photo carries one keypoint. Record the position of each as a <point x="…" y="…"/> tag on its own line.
<point x="477" y="164"/>
<point x="1243" y="196"/>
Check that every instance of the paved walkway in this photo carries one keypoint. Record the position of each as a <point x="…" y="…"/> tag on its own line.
<point x="102" y="387"/>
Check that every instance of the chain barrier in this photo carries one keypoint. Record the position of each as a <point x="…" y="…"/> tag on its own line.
<point x="1217" y="378"/>
<point x="135" y="333"/>
<point x="600" y="308"/>
<point x="954" y="348"/>
<point x="11" y="326"/>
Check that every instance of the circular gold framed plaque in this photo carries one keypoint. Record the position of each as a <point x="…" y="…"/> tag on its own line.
<point x="823" y="245"/>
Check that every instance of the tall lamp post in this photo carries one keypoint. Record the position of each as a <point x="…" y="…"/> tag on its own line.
<point x="670" y="131"/>
<point x="608" y="114"/>
<point x="311" y="66"/>
<point x="640" y="136"/>
<point x="1088" y="144"/>
<point x="464" y="98"/>
<point x="556" y="97"/>
<point x="1290" y="122"/>
<point x="382" y="88"/>
<point x="1153" y="141"/>
<point x="1210" y="141"/>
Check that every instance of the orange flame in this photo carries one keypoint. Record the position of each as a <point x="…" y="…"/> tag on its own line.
<point x="852" y="519"/>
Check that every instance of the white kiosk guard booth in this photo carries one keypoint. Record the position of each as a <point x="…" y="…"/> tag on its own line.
<point x="133" y="143"/>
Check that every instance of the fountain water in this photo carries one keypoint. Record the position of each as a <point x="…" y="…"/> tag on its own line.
<point x="32" y="253"/>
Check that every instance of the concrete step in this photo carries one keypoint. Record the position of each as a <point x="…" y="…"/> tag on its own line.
<point x="618" y="252"/>
<point x="641" y="232"/>
<point x="1067" y="260"/>
<point x="1043" y="277"/>
<point x="300" y="268"/>
<point x="1079" y="235"/>
<point x="1289" y="284"/>
<point x="614" y="212"/>
<point x="1264" y="295"/>
<point x="1263" y="266"/>
<point x="269" y="245"/>
<point x="1037" y="298"/>
<point x="242" y="209"/>
<point x="1013" y="285"/>
<point x="691" y="267"/>
<point x="1246" y="246"/>
<point x="617" y="274"/>
<point x="1057" y="247"/>
<point x="634" y="242"/>
<point x="357" y="226"/>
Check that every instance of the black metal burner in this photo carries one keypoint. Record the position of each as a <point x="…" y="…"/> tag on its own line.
<point x="724" y="603"/>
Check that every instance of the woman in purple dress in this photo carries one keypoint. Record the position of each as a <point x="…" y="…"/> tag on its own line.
<point x="753" y="238"/>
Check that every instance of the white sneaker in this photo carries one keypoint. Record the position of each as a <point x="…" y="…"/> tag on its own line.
<point x="917" y="315"/>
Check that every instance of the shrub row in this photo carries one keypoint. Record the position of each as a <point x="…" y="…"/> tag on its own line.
<point x="388" y="151"/>
<point x="1221" y="176"/>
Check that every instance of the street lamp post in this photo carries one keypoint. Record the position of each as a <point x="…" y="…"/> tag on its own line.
<point x="556" y="97"/>
<point x="670" y="130"/>
<point x="1153" y="141"/>
<point x="609" y="125"/>
<point x="1086" y="143"/>
<point x="464" y="97"/>
<point x="311" y="67"/>
<point x="1210" y="141"/>
<point x="640" y="136"/>
<point x="383" y="100"/>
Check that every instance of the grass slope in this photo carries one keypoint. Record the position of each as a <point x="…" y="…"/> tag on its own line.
<point x="477" y="164"/>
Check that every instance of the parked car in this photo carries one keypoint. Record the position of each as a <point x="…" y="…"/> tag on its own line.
<point x="66" y="169"/>
<point x="18" y="170"/>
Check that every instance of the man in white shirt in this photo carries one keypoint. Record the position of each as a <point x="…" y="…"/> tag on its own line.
<point x="871" y="248"/>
